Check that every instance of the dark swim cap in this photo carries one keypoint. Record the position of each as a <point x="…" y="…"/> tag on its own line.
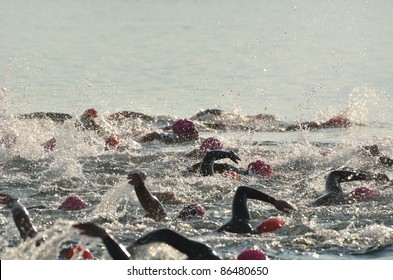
<point x="90" y="114"/>
<point x="192" y="210"/>
<point x="252" y="254"/>
<point x="210" y="144"/>
<point x="73" y="203"/>
<point x="364" y="194"/>
<point x="259" y="167"/>
<point x="184" y="126"/>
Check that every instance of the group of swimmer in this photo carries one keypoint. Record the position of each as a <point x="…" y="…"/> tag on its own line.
<point x="211" y="150"/>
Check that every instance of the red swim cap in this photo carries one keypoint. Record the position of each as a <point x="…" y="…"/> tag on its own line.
<point x="183" y="126"/>
<point x="90" y="114"/>
<point x="364" y="194"/>
<point x="210" y="144"/>
<point x="73" y="203"/>
<point x="112" y="141"/>
<point x="252" y="254"/>
<point x="270" y="224"/>
<point x="79" y="251"/>
<point x="259" y="167"/>
<point x="338" y="121"/>
<point x="192" y="210"/>
<point x="231" y="174"/>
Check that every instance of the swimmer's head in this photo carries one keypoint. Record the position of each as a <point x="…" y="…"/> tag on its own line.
<point x="112" y="142"/>
<point x="76" y="252"/>
<point x="73" y="203"/>
<point x="184" y="128"/>
<point x="90" y="114"/>
<point x="252" y="254"/>
<point x="260" y="168"/>
<point x="364" y="194"/>
<point x="338" y="121"/>
<point x="210" y="144"/>
<point x="192" y="210"/>
<point x="269" y="225"/>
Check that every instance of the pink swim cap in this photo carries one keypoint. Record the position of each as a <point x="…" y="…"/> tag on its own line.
<point x="338" y="121"/>
<point x="364" y="194"/>
<point x="210" y="144"/>
<point x="90" y="114"/>
<point x="252" y="254"/>
<point x="79" y="250"/>
<point x="73" y="203"/>
<point x="183" y="126"/>
<point x="259" y="167"/>
<point x="270" y="224"/>
<point x="192" y="210"/>
<point x="112" y="142"/>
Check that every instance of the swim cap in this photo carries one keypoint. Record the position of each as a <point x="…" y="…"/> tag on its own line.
<point x="112" y="141"/>
<point x="231" y="174"/>
<point x="183" y="126"/>
<point x="364" y="194"/>
<point x="210" y="144"/>
<point x="252" y="254"/>
<point x="80" y="252"/>
<point x="259" y="167"/>
<point x="338" y="121"/>
<point x="192" y="210"/>
<point x="90" y="114"/>
<point x="270" y="224"/>
<point x="49" y="145"/>
<point x="73" y="203"/>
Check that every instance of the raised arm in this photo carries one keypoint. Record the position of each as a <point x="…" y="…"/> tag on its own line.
<point x="20" y="216"/>
<point x="334" y="193"/>
<point x="207" y="164"/>
<point x="194" y="250"/>
<point x="116" y="251"/>
<point x="150" y="203"/>
<point x="240" y="221"/>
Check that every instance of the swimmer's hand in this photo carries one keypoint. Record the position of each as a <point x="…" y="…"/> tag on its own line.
<point x="91" y="229"/>
<point x="283" y="206"/>
<point x="235" y="158"/>
<point x="6" y="200"/>
<point x="136" y="178"/>
<point x="382" y="177"/>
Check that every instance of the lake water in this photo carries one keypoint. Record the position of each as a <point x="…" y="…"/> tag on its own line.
<point x="297" y="60"/>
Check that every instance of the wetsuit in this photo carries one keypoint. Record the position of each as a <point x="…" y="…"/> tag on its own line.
<point x="208" y="167"/>
<point x="335" y="194"/>
<point x="194" y="250"/>
<point x="240" y="221"/>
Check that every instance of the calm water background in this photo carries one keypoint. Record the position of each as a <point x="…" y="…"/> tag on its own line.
<point x="298" y="60"/>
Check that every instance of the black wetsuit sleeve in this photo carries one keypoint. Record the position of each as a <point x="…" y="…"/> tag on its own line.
<point x="194" y="250"/>
<point x="114" y="249"/>
<point x="386" y="161"/>
<point x="22" y="221"/>
<point x="207" y="165"/>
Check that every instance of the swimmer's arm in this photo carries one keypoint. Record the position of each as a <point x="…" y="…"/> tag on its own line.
<point x="20" y="216"/>
<point x="150" y="203"/>
<point x="385" y="160"/>
<point x="207" y="165"/>
<point x="193" y="250"/>
<point x="116" y="251"/>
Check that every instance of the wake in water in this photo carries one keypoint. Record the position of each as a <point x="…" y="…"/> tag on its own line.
<point x="47" y="157"/>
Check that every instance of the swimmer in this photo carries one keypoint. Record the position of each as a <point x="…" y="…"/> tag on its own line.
<point x="116" y="251"/>
<point x="240" y="221"/>
<point x="209" y="167"/>
<point x="21" y="217"/>
<point x="55" y="117"/>
<point x="339" y="122"/>
<point x="335" y="194"/>
<point x="209" y="144"/>
<point x="129" y="115"/>
<point x="192" y="249"/>
<point x="153" y="207"/>
<point x="184" y="130"/>
<point x="373" y="150"/>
